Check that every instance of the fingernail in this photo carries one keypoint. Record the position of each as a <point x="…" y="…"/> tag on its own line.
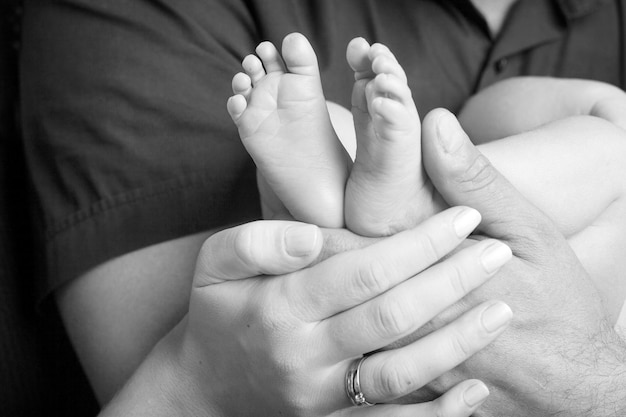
<point x="465" y="222"/>
<point x="449" y="132"/>
<point x="475" y="394"/>
<point x="301" y="240"/>
<point x="496" y="316"/>
<point x="494" y="256"/>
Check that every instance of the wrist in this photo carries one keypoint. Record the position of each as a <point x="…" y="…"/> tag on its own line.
<point x="609" y="389"/>
<point x="574" y="379"/>
<point x="592" y="382"/>
<point x="162" y="385"/>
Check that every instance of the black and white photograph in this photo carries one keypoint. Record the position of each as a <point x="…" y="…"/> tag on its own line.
<point x="313" y="208"/>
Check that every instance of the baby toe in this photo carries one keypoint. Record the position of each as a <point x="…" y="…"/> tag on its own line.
<point x="242" y="84"/>
<point x="270" y="57"/>
<point x="253" y="66"/>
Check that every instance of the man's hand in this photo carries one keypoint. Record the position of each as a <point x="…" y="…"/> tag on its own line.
<point x="560" y="356"/>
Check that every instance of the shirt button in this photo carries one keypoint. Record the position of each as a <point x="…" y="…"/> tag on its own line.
<point x="501" y="64"/>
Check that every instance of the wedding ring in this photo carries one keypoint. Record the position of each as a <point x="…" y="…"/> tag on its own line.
<point x="353" y="383"/>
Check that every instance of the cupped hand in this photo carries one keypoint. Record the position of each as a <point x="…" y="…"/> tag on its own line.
<point x="281" y="341"/>
<point x="559" y="356"/>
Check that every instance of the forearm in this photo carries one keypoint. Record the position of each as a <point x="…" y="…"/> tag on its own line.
<point x="117" y="312"/>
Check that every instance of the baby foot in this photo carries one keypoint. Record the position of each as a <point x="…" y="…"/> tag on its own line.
<point x="387" y="190"/>
<point x="280" y="111"/>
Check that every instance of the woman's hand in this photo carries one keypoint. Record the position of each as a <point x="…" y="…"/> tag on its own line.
<point x="282" y="344"/>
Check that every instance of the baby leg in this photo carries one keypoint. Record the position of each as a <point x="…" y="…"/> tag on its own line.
<point x="522" y="104"/>
<point x="282" y="118"/>
<point x="387" y="190"/>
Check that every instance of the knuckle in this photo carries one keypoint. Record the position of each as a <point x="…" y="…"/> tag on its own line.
<point x="272" y="319"/>
<point x="428" y="247"/>
<point x="441" y="409"/>
<point x="268" y="319"/>
<point x="261" y="316"/>
<point x="244" y="247"/>
<point x="456" y="279"/>
<point x="288" y="376"/>
<point x="206" y="253"/>
<point x="449" y="314"/>
<point x="391" y="319"/>
<point x="395" y="381"/>
<point x="479" y="175"/>
<point x="276" y="336"/>
<point x="460" y="346"/>
<point x="535" y="238"/>
<point x="371" y="278"/>
<point x="537" y="227"/>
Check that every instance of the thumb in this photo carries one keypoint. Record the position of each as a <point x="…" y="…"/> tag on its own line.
<point x="464" y="176"/>
<point x="257" y="248"/>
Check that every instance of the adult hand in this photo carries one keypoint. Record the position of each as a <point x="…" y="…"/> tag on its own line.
<point x="560" y="356"/>
<point x="281" y="344"/>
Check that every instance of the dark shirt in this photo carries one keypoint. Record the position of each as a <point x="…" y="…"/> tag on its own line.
<point x="126" y="133"/>
<point x="39" y="373"/>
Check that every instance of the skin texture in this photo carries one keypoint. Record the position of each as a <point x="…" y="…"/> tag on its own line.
<point x="139" y="322"/>
<point x="560" y="333"/>
<point x="384" y="193"/>
<point x="279" y="109"/>
<point x="443" y="382"/>
<point x="310" y="320"/>
<point x="553" y="151"/>
<point x="306" y="320"/>
<point x="116" y="313"/>
<point x="273" y="95"/>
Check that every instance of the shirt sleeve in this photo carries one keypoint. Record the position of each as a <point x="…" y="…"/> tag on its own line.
<point x="125" y="128"/>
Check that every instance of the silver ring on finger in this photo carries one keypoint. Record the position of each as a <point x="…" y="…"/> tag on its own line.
<point x="353" y="383"/>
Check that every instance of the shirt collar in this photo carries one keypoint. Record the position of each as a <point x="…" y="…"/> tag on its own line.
<point x="573" y="9"/>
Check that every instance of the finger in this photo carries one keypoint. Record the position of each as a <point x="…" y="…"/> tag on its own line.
<point x="464" y="176"/>
<point x="460" y="401"/>
<point x="252" y="249"/>
<point x="342" y="240"/>
<point x="394" y="373"/>
<point x="402" y="310"/>
<point x="350" y="278"/>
